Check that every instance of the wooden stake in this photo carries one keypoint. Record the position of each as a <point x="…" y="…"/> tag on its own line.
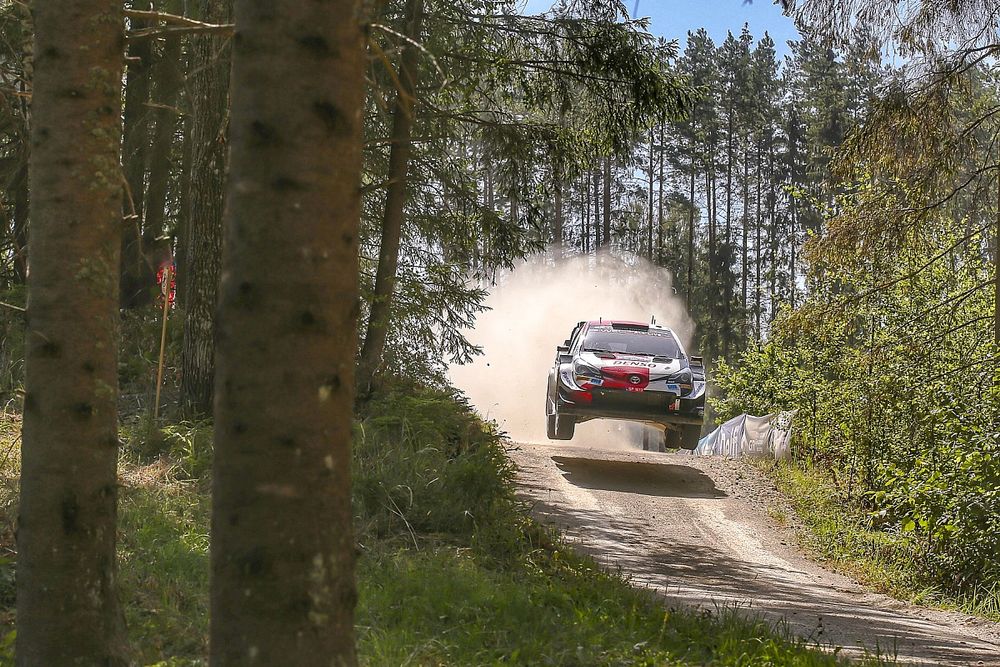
<point x="163" y="339"/>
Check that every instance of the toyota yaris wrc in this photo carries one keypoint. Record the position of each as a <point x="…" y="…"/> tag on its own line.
<point x="626" y="370"/>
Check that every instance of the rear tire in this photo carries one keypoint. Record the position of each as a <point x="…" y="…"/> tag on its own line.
<point x="689" y="436"/>
<point x="672" y="438"/>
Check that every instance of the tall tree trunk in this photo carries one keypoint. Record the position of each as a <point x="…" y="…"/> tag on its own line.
<point x="690" y="257"/>
<point x="377" y="329"/>
<point x="712" y="232"/>
<point x="607" y="201"/>
<point x="772" y="230"/>
<point x="19" y="222"/>
<point x="203" y="251"/>
<point x="659" y="218"/>
<point x="649" y="209"/>
<point x="181" y="238"/>
<point x="745" y="235"/>
<point x="167" y="79"/>
<point x="135" y="144"/>
<point x="793" y="239"/>
<point x="282" y="588"/>
<point x="585" y="213"/>
<point x="558" y="203"/>
<point x="67" y="607"/>
<point x="996" y="271"/>
<point x="597" y="211"/>
<point x="757" y="244"/>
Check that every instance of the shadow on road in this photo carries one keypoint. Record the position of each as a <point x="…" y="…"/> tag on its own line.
<point x="667" y="540"/>
<point x="648" y="479"/>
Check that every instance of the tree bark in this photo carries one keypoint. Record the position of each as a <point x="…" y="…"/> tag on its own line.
<point x="282" y="587"/>
<point x="377" y="329"/>
<point x="607" y="201"/>
<point x="167" y="79"/>
<point x="649" y="240"/>
<point x="19" y="222"/>
<point x="996" y="271"/>
<point x="597" y="212"/>
<point x="757" y="249"/>
<point x="745" y="235"/>
<point x="135" y="144"/>
<point x="558" y="216"/>
<point x="67" y="607"/>
<point x="659" y="226"/>
<point x="690" y="253"/>
<point x="203" y="251"/>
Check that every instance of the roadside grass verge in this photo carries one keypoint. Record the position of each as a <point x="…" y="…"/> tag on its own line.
<point x="836" y="532"/>
<point x="452" y="571"/>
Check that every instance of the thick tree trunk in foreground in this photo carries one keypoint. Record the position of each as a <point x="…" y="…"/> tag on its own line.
<point x="203" y="236"/>
<point x="282" y="590"/>
<point x="67" y="607"/>
<point x="377" y="329"/>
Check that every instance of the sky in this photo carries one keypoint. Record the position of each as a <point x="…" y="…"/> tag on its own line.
<point x="674" y="18"/>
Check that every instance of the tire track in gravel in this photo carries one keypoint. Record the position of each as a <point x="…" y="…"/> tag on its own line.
<point x="696" y="530"/>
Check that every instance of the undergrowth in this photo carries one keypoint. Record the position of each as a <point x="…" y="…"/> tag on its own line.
<point x="888" y="561"/>
<point x="452" y="570"/>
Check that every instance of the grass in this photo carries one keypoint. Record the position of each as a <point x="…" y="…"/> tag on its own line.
<point x="836" y="533"/>
<point x="452" y="571"/>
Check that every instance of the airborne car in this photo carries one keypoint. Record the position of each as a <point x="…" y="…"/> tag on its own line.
<point x="610" y="369"/>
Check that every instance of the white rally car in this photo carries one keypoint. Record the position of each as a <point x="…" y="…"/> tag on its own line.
<point x="611" y="369"/>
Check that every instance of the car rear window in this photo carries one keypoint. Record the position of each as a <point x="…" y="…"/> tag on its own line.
<point x="606" y="339"/>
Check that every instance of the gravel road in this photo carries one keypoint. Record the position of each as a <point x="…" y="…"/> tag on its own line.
<point x="698" y="531"/>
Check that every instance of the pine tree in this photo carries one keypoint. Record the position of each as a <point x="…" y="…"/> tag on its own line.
<point x="282" y="588"/>
<point x="67" y="606"/>
<point x="202" y="239"/>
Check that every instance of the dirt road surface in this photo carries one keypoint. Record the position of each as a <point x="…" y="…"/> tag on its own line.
<point x="698" y="531"/>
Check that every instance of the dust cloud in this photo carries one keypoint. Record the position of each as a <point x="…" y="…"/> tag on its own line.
<point x="533" y="309"/>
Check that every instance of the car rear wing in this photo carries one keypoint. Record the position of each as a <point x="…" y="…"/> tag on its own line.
<point x="697" y="362"/>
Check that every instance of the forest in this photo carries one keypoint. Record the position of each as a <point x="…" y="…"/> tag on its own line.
<point x="241" y="243"/>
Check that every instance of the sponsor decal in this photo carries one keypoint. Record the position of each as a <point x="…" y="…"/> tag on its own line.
<point x="626" y="362"/>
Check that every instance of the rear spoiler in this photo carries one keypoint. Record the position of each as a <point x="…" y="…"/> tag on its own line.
<point x="697" y="362"/>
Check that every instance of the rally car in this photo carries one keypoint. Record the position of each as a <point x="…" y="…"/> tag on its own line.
<point x="610" y="369"/>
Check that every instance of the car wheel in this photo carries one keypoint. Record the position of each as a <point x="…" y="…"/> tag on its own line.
<point x="565" y="427"/>
<point x="653" y="439"/>
<point x="550" y="427"/>
<point x="689" y="436"/>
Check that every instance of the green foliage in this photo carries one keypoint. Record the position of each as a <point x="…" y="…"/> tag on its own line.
<point x="189" y="444"/>
<point x="843" y="534"/>
<point x="425" y="464"/>
<point x="452" y="571"/>
<point x="164" y="569"/>
<point x="442" y="607"/>
<point x="890" y="367"/>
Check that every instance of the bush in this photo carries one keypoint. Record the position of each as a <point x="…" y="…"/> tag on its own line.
<point x="424" y="463"/>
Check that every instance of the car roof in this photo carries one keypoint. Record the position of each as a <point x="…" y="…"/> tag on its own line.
<point x="629" y="324"/>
